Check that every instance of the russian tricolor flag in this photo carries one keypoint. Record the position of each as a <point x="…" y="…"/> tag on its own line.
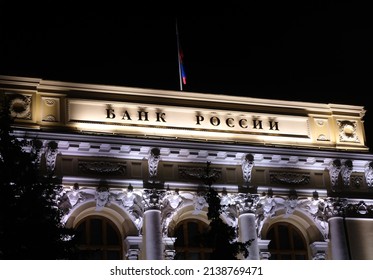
<point x="181" y="65"/>
<point x="180" y="54"/>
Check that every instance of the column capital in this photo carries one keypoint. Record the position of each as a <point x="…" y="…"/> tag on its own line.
<point x="152" y="199"/>
<point x="335" y="207"/>
<point x="246" y="202"/>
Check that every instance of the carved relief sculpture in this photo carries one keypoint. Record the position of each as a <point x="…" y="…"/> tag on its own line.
<point x="153" y="162"/>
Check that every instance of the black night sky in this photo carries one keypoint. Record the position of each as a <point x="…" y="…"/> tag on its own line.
<point x="313" y="51"/>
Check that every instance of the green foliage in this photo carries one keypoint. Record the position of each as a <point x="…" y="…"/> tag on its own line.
<point x="30" y="221"/>
<point x="221" y="237"/>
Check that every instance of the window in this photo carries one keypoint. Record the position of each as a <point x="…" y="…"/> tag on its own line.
<point x="98" y="239"/>
<point x="188" y="244"/>
<point x="287" y="242"/>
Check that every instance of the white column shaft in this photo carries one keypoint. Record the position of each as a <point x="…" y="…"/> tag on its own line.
<point x="338" y="239"/>
<point x="153" y="235"/>
<point x="247" y="231"/>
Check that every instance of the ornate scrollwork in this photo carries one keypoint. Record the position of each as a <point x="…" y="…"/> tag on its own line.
<point x="153" y="162"/>
<point x="346" y="170"/>
<point x="51" y="155"/>
<point x="368" y="172"/>
<point x="334" y="170"/>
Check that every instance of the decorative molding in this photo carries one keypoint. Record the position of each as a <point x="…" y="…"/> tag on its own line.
<point x="346" y="170"/>
<point x="49" y="118"/>
<point x="368" y="172"/>
<point x="102" y="197"/>
<point x="334" y="170"/>
<point x="246" y="202"/>
<point x="199" y="203"/>
<point x="229" y="209"/>
<point x="319" y="250"/>
<point x="172" y="201"/>
<point x="206" y="175"/>
<point x="152" y="199"/>
<point x="132" y="203"/>
<point x="102" y="167"/>
<point x="51" y="153"/>
<point x="289" y="178"/>
<point x="153" y="162"/>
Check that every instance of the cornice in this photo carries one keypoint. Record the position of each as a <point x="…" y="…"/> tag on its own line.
<point x="189" y="151"/>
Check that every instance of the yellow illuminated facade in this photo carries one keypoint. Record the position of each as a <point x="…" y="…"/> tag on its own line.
<point x="297" y="177"/>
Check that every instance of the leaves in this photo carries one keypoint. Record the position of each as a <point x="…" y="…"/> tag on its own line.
<point x="221" y="237"/>
<point x="30" y="222"/>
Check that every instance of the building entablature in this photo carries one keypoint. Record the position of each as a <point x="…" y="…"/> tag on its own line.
<point x="108" y="110"/>
<point x="129" y="160"/>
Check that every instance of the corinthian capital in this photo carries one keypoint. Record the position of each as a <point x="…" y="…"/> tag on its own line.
<point x="152" y="199"/>
<point x="335" y="207"/>
<point x="246" y="202"/>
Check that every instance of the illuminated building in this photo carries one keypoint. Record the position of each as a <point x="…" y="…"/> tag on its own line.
<point x="295" y="176"/>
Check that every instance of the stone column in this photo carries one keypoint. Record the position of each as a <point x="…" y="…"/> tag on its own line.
<point x="152" y="226"/>
<point x="153" y="234"/>
<point x="247" y="231"/>
<point x="335" y="210"/>
<point x="247" y="223"/>
<point x="339" y="247"/>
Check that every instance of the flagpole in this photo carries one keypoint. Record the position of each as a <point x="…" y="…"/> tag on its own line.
<point x="178" y="56"/>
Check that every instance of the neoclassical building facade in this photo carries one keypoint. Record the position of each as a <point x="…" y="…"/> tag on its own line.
<point x="296" y="177"/>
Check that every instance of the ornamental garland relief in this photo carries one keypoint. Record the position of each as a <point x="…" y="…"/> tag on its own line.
<point x="289" y="178"/>
<point x="102" y="167"/>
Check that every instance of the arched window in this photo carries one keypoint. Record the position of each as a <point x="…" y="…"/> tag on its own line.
<point x="98" y="239"/>
<point x="287" y="242"/>
<point x="188" y="244"/>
